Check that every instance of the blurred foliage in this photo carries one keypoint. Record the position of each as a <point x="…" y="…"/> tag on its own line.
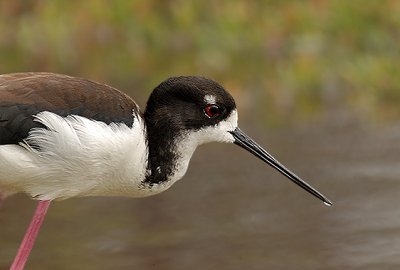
<point x="287" y="60"/>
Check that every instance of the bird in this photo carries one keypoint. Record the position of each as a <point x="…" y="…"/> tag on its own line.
<point x="63" y="137"/>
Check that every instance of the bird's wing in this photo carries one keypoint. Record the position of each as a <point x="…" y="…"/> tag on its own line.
<point x="24" y="95"/>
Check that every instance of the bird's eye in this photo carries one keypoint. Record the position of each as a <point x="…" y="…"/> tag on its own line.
<point x="212" y="110"/>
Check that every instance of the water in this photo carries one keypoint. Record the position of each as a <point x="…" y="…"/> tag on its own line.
<point x="233" y="212"/>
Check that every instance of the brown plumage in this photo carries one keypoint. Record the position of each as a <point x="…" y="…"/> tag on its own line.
<point x="23" y="95"/>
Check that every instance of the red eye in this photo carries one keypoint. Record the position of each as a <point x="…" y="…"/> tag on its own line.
<point x="212" y="110"/>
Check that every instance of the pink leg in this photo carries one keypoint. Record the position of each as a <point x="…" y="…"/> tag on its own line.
<point x="30" y="236"/>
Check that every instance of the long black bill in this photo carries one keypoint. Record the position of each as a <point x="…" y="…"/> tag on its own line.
<point x="247" y="143"/>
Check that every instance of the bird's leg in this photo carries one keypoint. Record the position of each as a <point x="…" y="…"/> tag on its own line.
<point x="30" y="236"/>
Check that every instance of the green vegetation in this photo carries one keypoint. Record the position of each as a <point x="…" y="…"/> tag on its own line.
<point x="292" y="60"/>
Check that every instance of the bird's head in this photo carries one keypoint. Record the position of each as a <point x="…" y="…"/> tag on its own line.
<point x="197" y="110"/>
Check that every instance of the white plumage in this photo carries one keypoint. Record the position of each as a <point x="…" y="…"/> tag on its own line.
<point x="187" y="144"/>
<point x="77" y="157"/>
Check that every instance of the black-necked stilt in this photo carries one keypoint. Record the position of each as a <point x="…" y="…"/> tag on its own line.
<point x="63" y="137"/>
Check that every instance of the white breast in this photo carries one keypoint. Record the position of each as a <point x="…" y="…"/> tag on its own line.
<point x="77" y="157"/>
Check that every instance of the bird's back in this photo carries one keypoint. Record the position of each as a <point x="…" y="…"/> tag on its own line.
<point x="24" y="95"/>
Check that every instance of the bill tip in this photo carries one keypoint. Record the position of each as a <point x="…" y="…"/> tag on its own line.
<point x="328" y="203"/>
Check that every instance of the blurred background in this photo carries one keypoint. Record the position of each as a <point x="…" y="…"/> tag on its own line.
<point x="316" y="82"/>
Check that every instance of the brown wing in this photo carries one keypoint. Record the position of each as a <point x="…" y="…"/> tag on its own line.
<point x="23" y="95"/>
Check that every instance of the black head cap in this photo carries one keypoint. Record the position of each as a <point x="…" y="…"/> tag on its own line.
<point x="189" y="102"/>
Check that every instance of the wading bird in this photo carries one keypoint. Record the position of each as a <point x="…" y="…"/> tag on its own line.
<point x="64" y="137"/>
